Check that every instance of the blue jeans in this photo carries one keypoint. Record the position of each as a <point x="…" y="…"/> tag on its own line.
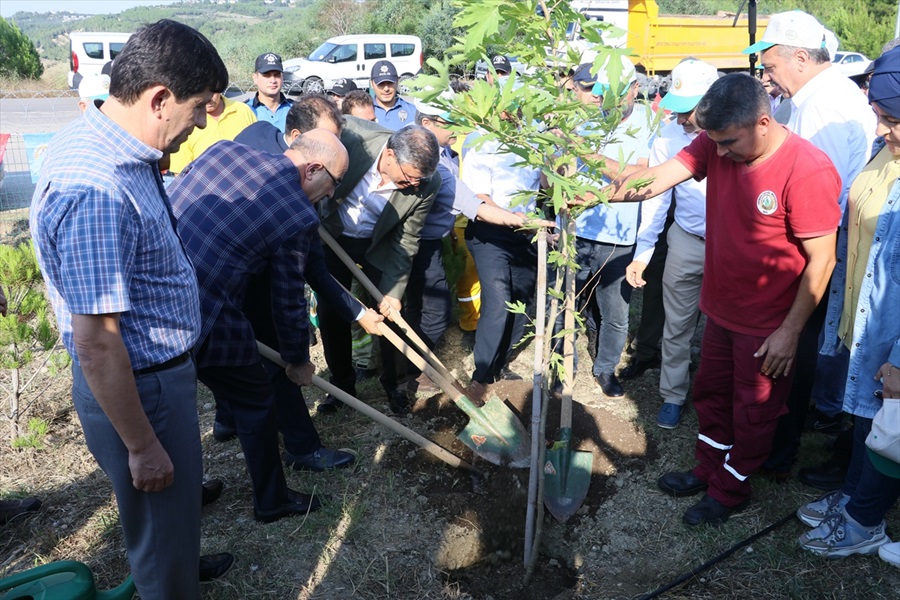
<point x="871" y="493"/>
<point x="603" y="297"/>
<point x="161" y="529"/>
<point x="828" y="389"/>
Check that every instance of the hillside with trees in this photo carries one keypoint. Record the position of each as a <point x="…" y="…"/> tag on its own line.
<point x="247" y="28"/>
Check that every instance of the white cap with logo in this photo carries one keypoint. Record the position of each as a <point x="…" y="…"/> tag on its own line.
<point x="690" y="80"/>
<point x="94" y="87"/>
<point x="793" y="28"/>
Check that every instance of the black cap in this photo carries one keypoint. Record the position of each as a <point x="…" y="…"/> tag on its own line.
<point x="268" y="62"/>
<point x="342" y="87"/>
<point x="384" y="70"/>
<point x="501" y="64"/>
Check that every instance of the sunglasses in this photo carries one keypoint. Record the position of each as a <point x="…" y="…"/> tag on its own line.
<point x="335" y="180"/>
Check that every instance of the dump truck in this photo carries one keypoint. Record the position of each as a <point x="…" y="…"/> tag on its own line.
<point x="660" y="42"/>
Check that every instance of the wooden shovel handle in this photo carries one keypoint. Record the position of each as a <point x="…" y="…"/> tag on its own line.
<point x="405" y="432"/>
<point x="396" y="317"/>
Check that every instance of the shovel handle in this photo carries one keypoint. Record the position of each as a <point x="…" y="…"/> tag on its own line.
<point x="447" y="385"/>
<point x="396" y="317"/>
<point x="565" y="415"/>
<point x="404" y="432"/>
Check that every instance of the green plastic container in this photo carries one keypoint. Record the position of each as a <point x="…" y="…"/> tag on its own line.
<point x="64" y="580"/>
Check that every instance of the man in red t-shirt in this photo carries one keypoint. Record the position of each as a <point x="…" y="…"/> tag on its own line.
<point x="772" y="216"/>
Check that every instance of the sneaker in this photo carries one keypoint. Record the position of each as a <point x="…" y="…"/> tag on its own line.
<point x="890" y="553"/>
<point x="839" y="536"/>
<point x="669" y="415"/>
<point x="815" y="512"/>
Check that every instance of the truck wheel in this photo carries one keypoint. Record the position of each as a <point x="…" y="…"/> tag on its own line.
<point x="313" y="85"/>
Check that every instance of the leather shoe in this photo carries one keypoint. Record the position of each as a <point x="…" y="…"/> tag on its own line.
<point x="610" y="385"/>
<point x="297" y="504"/>
<point x="223" y="432"/>
<point x="399" y="402"/>
<point x="636" y="368"/>
<point x="323" y="459"/>
<point x="711" y="511"/>
<point x="213" y="566"/>
<point x="681" y="484"/>
<point x="330" y="405"/>
<point x="827" y="476"/>
<point x="212" y="489"/>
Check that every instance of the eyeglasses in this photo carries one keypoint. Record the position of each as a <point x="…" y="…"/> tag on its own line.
<point x="411" y="180"/>
<point x="335" y="180"/>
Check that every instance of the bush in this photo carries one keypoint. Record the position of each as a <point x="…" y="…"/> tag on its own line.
<point x="20" y="57"/>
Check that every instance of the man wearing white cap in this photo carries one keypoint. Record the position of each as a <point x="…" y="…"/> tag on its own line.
<point x="828" y="110"/>
<point x="683" y="273"/>
<point x="91" y="89"/>
<point x="605" y="235"/>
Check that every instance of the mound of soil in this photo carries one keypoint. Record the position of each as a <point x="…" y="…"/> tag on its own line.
<point x="482" y="550"/>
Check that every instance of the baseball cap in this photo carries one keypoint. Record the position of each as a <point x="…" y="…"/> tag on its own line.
<point x="583" y="74"/>
<point x="431" y="110"/>
<point x="603" y="82"/>
<point x="382" y="71"/>
<point x="501" y="64"/>
<point x="94" y="87"/>
<point x="690" y="80"/>
<point x="342" y="87"/>
<point x="268" y="62"/>
<point x="792" y="28"/>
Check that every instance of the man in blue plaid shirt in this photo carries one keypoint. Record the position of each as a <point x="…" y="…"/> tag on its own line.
<point x="126" y="296"/>
<point x="240" y="211"/>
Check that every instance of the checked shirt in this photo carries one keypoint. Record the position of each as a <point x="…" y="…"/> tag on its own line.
<point x="239" y="211"/>
<point x="106" y="244"/>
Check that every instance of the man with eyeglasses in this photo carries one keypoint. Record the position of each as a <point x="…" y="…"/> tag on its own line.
<point x="391" y="110"/>
<point x="683" y="264"/>
<point x="376" y="214"/>
<point x="303" y="448"/>
<point x="240" y="211"/>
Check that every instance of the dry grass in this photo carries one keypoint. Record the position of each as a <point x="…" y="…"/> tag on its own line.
<point x="382" y="535"/>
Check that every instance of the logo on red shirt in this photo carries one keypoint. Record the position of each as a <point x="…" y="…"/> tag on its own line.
<point x="767" y="203"/>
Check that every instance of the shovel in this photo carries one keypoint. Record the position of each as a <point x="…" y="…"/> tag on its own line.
<point x="493" y="432"/>
<point x="567" y="472"/>
<point x="405" y="432"/>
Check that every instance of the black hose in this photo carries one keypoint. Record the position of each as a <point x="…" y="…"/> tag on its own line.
<point x="716" y="559"/>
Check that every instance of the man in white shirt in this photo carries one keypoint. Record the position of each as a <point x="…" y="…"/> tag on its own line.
<point x="830" y="111"/>
<point x="683" y="272"/>
<point x="506" y="259"/>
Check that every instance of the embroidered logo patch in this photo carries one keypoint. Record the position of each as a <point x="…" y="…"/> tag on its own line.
<point x="677" y="84"/>
<point x="767" y="203"/>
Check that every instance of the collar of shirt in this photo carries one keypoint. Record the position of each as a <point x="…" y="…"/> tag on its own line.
<point x="282" y="100"/>
<point x="365" y="202"/>
<point x="126" y="143"/>
<point x="823" y="81"/>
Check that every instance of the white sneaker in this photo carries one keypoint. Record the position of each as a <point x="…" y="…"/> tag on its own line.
<point x="890" y="553"/>
<point x="815" y="512"/>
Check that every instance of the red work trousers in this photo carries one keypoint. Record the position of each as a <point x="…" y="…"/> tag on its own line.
<point x="737" y="408"/>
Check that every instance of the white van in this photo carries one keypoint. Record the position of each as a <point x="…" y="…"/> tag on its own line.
<point x="90" y="50"/>
<point x="352" y="57"/>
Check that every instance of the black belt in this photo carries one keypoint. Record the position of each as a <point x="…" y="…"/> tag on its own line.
<point x="172" y="362"/>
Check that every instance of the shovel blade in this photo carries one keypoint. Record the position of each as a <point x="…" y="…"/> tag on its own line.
<point x="495" y="433"/>
<point x="567" y="477"/>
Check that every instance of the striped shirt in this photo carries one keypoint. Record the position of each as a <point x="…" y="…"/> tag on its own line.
<point x="240" y="210"/>
<point x="104" y="235"/>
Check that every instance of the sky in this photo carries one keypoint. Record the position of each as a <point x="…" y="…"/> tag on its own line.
<point x="9" y="7"/>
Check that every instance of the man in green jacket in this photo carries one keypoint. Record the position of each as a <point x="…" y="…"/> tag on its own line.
<point x="376" y="214"/>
